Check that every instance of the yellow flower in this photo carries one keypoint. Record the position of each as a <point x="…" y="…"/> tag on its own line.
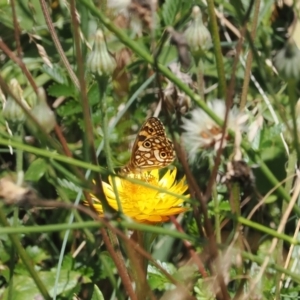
<point x="144" y="204"/>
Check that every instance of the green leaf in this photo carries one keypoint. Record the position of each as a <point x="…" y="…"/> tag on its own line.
<point x="69" y="108"/>
<point x="97" y="295"/>
<point x="29" y="16"/>
<point x="36" y="254"/>
<point x="93" y="94"/>
<point x="271" y="199"/>
<point x="169" y="11"/>
<point x="58" y="90"/>
<point x="36" y="170"/>
<point x="157" y="280"/>
<point x="56" y="73"/>
<point x="25" y="288"/>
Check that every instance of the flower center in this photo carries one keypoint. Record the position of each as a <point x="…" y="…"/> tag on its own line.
<point x="214" y="130"/>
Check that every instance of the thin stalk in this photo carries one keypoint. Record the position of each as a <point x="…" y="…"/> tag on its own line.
<point x="102" y="85"/>
<point x="267" y="230"/>
<point x="260" y="260"/>
<point x="214" y="30"/>
<point x="217" y="214"/>
<point x="52" y="155"/>
<point x="249" y="58"/>
<point x="200" y="77"/>
<point x="97" y="224"/>
<point x="57" y="44"/>
<point x="292" y="87"/>
<point x="20" y="175"/>
<point x="288" y="187"/>
<point x="236" y="210"/>
<point x="119" y="262"/>
<point x="138" y="266"/>
<point x="235" y="201"/>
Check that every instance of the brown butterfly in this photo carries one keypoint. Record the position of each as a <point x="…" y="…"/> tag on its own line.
<point x="152" y="149"/>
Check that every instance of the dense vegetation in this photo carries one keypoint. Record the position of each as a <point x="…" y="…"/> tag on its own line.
<point x="79" y="81"/>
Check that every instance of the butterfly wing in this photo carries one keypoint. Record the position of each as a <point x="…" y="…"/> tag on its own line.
<point x="151" y="149"/>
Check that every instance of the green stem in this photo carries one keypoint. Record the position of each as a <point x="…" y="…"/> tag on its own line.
<point x="217" y="215"/>
<point x="288" y="187"/>
<point x="249" y="58"/>
<point x="53" y="155"/>
<point x="138" y="266"/>
<point x="291" y="87"/>
<point x="20" y="176"/>
<point x="235" y="201"/>
<point x="97" y="224"/>
<point x="260" y="260"/>
<point x="200" y="78"/>
<point x="25" y="258"/>
<point x="102" y="85"/>
<point x="217" y="48"/>
<point x="267" y="230"/>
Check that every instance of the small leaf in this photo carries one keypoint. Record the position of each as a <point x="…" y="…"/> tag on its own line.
<point x="169" y="11"/>
<point x="93" y="95"/>
<point x="56" y="73"/>
<point x="97" y="295"/>
<point x="271" y="199"/>
<point x="36" y="254"/>
<point x="36" y="170"/>
<point x="157" y="280"/>
<point x="58" y="90"/>
<point x="25" y="288"/>
<point x="69" y="108"/>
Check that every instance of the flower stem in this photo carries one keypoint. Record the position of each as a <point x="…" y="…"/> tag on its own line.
<point x="217" y="215"/>
<point x="200" y="78"/>
<point x="217" y="48"/>
<point x="102" y="85"/>
<point x="288" y="186"/>
<point x="249" y="58"/>
<point x="138" y="266"/>
<point x="20" y="175"/>
<point x="291" y="87"/>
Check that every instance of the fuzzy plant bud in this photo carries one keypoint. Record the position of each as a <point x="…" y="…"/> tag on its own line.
<point x="287" y="61"/>
<point x="12" y="112"/>
<point x="43" y="114"/>
<point x="197" y="35"/>
<point x="99" y="61"/>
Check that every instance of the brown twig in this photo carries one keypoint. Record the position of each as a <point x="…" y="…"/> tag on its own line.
<point x="16" y="28"/>
<point x="20" y="63"/>
<point x="120" y="264"/>
<point x="57" y="44"/>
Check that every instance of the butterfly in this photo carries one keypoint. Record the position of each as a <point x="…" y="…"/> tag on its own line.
<point x="151" y="149"/>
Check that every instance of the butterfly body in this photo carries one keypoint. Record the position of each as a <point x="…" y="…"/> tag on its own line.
<point x="151" y="149"/>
